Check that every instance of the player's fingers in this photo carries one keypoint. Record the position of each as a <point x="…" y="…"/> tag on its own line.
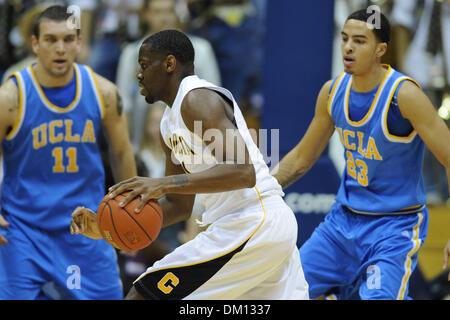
<point x="119" y="190"/>
<point x="144" y="199"/>
<point x="133" y="194"/>
<point x="89" y="214"/>
<point x="74" y="228"/>
<point x="78" y="212"/>
<point x="119" y="185"/>
<point x="3" y="222"/>
<point x="3" y="240"/>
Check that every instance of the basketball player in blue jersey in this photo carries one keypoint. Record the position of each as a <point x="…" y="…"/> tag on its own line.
<point x="368" y="243"/>
<point x="52" y="115"/>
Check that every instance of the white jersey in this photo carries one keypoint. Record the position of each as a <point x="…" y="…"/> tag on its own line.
<point x="194" y="155"/>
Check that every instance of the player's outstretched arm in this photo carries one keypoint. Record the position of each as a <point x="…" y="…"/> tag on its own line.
<point x="9" y="110"/>
<point x="303" y="156"/>
<point x="121" y="155"/>
<point x="418" y="109"/>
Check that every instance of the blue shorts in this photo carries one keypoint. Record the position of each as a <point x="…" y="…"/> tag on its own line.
<point x="56" y="265"/>
<point x="351" y="254"/>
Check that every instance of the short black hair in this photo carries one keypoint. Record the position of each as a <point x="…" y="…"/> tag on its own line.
<point x="172" y="42"/>
<point x="55" y="13"/>
<point x="382" y="31"/>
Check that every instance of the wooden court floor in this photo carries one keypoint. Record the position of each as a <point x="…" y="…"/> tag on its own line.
<point x="431" y="253"/>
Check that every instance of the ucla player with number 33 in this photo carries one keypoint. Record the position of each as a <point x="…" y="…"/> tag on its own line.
<point x="52" y="116"/>
<point x="368" y="243"/>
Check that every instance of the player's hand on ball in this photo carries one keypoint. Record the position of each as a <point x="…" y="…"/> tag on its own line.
<point x="84" y="221"/>
<point x="146" y="188"/>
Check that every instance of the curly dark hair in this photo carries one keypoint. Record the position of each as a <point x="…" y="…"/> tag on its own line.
<point x="172" y="42"/>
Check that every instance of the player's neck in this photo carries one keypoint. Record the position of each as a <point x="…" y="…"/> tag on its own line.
<point x="48" y="80"/>
<point x="369" y="80"/>
<point x="175" y="86"/>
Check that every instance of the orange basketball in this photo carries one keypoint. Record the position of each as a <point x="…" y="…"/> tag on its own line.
<point x="126" y="229"/>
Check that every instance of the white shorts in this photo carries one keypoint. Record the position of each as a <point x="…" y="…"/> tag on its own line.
<point x="251" y="254"/>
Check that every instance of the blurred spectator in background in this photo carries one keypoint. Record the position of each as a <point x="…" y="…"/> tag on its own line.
<point x="24" y="31"/>
<point x="19" y="35"/>
<point x="158" y="15"/>
<point x="427" y="59"/>
<point x="117" y="22"/>
<point x="236" y="30"/>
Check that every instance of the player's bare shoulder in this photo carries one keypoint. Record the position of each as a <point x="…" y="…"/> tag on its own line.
<point x="111" y="96"/>
<point x="202" y="104"/>
<point x="9" y="106"/>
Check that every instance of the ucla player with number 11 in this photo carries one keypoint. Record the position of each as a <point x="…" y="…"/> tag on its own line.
<point x="52" y="114"/>
<point x="368" y="243"/>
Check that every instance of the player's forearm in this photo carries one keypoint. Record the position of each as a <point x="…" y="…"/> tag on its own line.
<point x="221" y="178"/>
<point x="176" y="208"/>
<point x="123" y="164"/>
<point x="290" y="169"/>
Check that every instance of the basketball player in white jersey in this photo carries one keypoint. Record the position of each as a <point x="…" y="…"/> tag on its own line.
<point x="249" y="249"/>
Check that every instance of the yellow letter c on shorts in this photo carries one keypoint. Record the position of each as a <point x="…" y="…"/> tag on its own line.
<point x="168" y="282"/>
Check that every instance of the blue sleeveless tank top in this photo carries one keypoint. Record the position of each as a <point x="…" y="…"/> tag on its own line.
<point x="383" y="173"/>
<point x="52" y="161"/>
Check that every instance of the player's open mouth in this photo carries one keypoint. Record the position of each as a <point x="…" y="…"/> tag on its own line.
<point x="59" y="62"/>
<point x="348" y="61"/>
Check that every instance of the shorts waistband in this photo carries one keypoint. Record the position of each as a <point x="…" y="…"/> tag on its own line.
<point x="407" y="211"/>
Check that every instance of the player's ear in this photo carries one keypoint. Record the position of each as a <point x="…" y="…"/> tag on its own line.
<point x="34" y="44"/>
<point x="381" y="49"/>
<point x="170" y="63"/>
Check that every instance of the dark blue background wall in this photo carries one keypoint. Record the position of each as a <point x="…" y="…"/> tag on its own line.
<point x="298" y="52"/>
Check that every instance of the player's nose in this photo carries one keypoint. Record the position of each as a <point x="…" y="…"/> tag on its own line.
<point x="60" y="48"/>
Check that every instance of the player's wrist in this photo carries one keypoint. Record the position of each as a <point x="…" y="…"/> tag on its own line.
<point x="172" y="184"/>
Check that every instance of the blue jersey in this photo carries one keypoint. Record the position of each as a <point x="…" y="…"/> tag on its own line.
<point x="383" y="173"/>
<point x="51" y="158"/>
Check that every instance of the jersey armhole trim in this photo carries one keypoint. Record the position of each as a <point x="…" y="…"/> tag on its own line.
<point x="97" y="92"/>
<point x="22" y="105"/>
<point x="332" y="95"/>
<point x="389" y="136"/>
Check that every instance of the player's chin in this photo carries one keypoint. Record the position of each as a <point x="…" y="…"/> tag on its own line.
<point x="149" y="99"/>
<point x="60" y="72"/>
<point x="349" y="70"/>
